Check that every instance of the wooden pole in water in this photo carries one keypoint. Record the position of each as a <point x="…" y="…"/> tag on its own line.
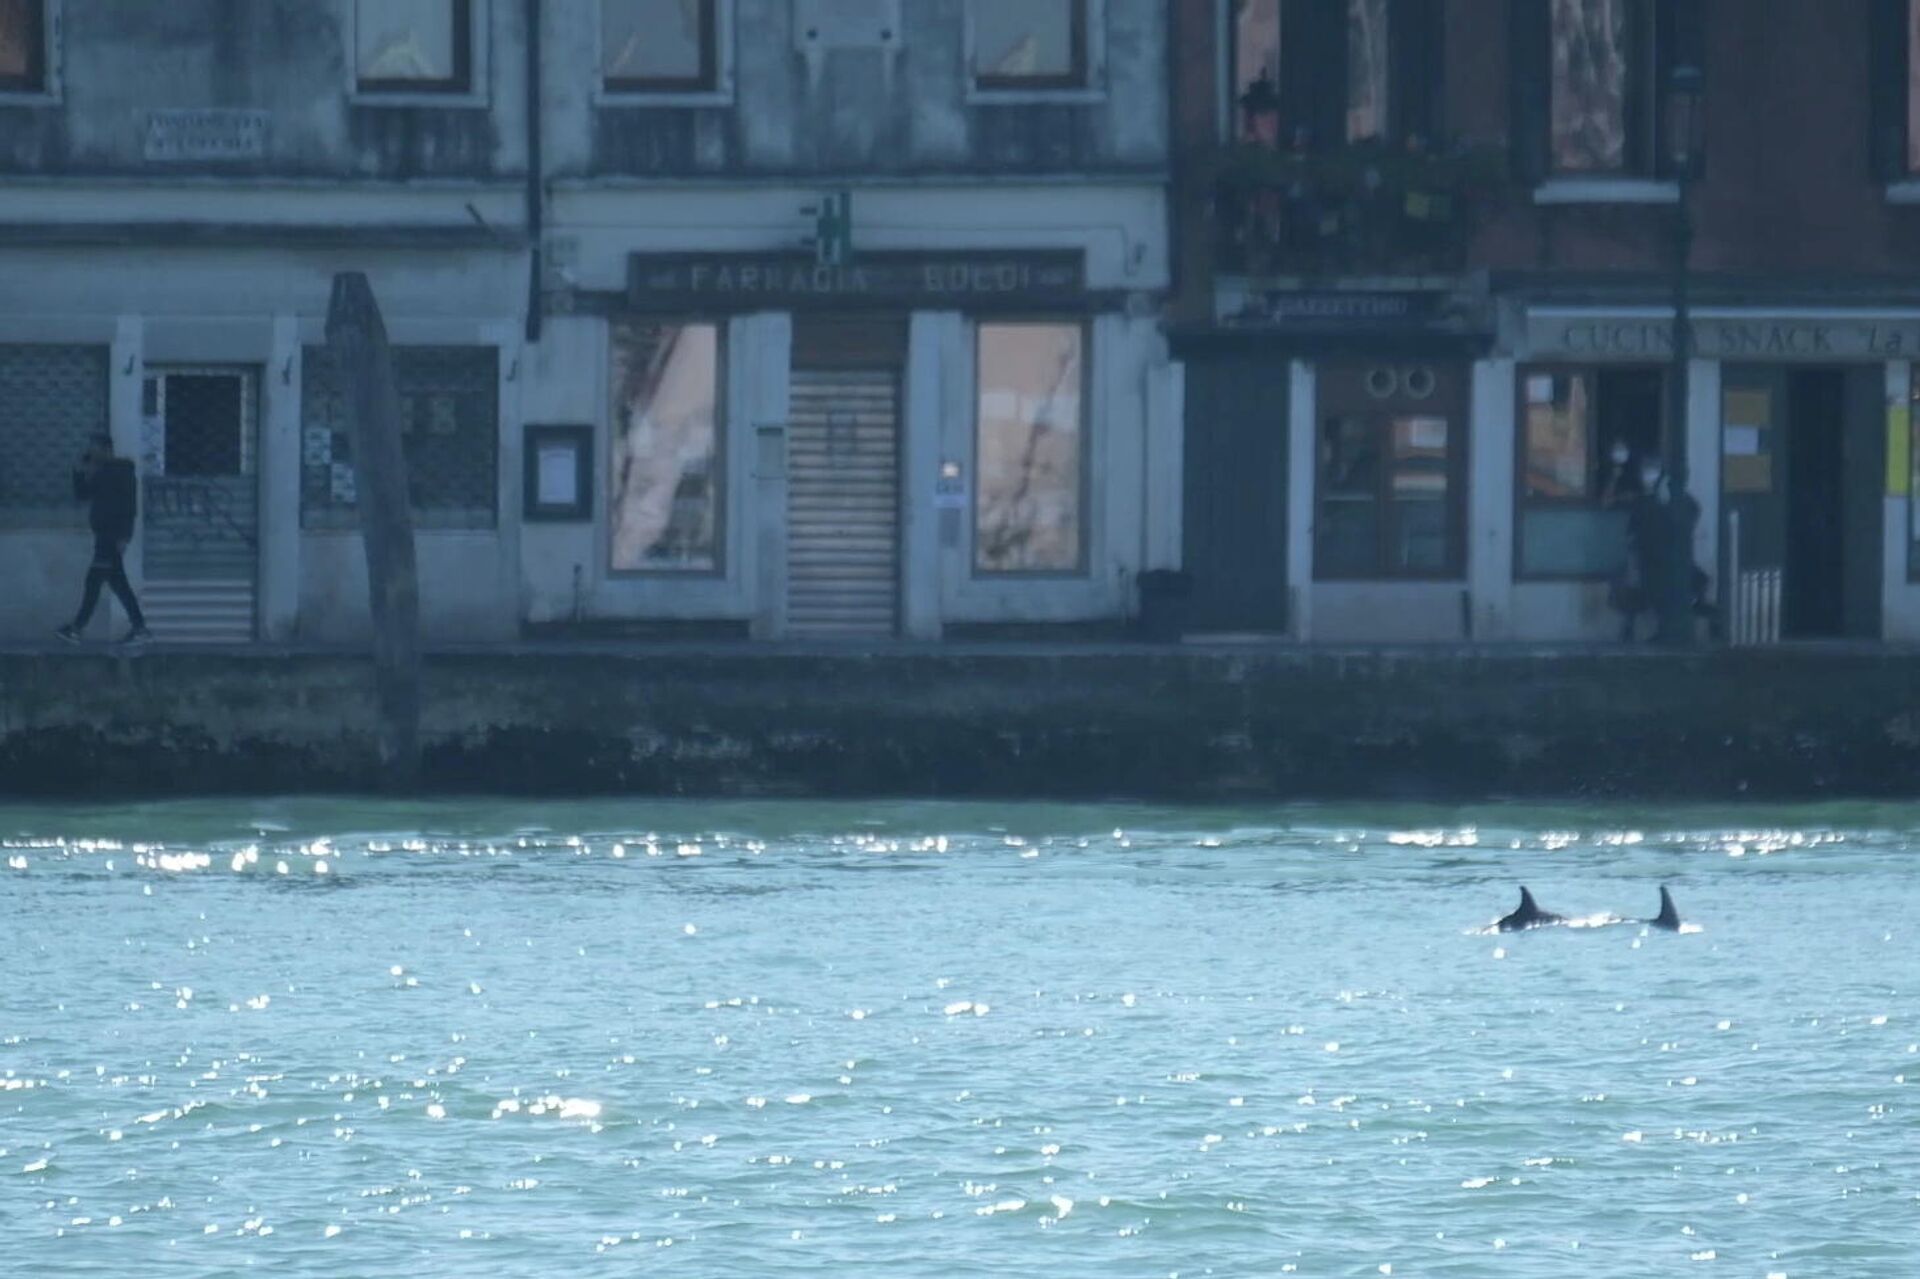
<point x="357" y="341"/>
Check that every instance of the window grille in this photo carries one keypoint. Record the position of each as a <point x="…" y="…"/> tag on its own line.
<point x="449" y="431"/>
<point x="53" y="399"/>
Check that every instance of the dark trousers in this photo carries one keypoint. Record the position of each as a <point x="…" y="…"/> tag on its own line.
<point x="107" y="570"/>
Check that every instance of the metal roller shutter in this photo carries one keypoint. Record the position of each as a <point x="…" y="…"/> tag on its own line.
<point x="843" y="559"/>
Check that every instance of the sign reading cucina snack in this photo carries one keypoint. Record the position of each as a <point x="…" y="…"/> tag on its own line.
<point x="1762" y="339"/>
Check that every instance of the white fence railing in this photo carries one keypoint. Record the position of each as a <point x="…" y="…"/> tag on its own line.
<point x="1753" y="606"/>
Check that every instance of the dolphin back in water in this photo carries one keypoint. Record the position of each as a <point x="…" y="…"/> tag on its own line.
<point x="1529" y="915"/>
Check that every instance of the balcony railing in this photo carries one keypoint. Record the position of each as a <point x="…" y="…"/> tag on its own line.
<point x="1365" y="209"/>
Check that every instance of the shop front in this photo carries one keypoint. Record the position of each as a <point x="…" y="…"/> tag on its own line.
<point x="1327" y="463"/>
<point x="912" y="444"/>
<point x="1796" y="449"/>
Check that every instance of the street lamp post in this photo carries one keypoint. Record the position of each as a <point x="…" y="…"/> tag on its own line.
<point x="1686" y="121"/>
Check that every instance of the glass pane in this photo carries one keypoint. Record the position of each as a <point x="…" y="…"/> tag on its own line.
<point x="19" y="33"/>
<point x="1573" y="542"/>
<point x="1027" y="501"/>
<point x="664" y="478"/>
<point x="1558" y="436"/>
<point x="1366" y="69"/>
<point x="1590" y="71"/>
<point x="1746" y="439"/>
<point x="1913" y="85"/>
<point x="1256" y="57"/>
<point x="1348" y="538"/>
<point x="1418" y="490"/>
<point x="652" y="39"/>
<point x="405" y="39"/>
<point x="1023" y="38"/>
<point x="1913" y="474"/>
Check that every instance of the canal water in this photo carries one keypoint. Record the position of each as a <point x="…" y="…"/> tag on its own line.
<point x="327" y="1038"/>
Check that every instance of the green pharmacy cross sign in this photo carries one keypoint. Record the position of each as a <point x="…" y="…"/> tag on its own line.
<point x="832" y="238"/>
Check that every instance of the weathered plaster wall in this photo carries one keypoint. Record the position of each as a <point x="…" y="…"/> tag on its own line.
<point x="1754" y="723"/>
<point x="118" y="59"/>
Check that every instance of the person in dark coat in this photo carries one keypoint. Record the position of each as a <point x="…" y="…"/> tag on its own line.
<point x="108" y="485"/>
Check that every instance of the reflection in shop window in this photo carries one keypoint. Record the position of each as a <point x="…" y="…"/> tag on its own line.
<point x="22" y="46"/>
<point x="1029" y="43"/>
<point x="1030" y="444"/>
<point x="665" y="499"/>
<point x="1586" y="436"/>
<point x="654" y="45"/>
<point x="413" y="46"/>
<point x="1592" y="80"/>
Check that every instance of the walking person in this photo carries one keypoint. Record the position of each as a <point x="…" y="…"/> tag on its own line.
<point x="107" y="484"/>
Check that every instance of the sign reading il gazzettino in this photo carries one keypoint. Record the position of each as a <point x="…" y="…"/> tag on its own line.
<point x="1016" y="278"/>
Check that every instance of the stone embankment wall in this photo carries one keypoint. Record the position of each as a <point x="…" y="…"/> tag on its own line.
<point x="1146" y="724"/>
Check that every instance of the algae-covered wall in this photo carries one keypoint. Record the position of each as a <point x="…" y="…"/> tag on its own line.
<point x="1150" y="724"/>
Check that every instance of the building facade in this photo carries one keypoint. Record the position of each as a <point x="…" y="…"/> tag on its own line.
<point x="1430" y="255"/>
<point x="782" y="318"/>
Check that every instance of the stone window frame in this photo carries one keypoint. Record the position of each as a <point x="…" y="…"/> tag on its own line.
<point x="49" y="92"/>
<point x="1090" y="85"/>
<point x="475" y="95"/>
<point x="719" y="94"/>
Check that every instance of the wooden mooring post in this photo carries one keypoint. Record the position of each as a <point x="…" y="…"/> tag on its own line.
<point x="357" y="341"/>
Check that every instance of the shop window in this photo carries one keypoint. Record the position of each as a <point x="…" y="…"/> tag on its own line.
<point x="1310" y="74"/>
<point x="1389" y="482"/>
<point x="665" y="477"/>
<point x="53" y="401"/>
<point x="659" y="46"/>
<point x="449" y="401"/>
<point x="1029" y="44"/>
<point x="23" y="46"/>
<point x="413" y="46"/>
<point x="1588" y="440"/>
<point x="1030" y="445"/>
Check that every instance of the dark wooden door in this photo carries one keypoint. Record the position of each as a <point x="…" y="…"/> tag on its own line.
<point x="1236" y="492"/>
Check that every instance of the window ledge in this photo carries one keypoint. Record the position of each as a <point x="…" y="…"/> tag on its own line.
<point x="1906" y="191"/>
<point x="722" y="97"/>
<point x="1605" y="190"/>
<point x="1084" y="96"/>
<point x="450" y="101"/>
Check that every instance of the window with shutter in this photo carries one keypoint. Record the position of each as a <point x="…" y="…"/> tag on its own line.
<point x="1307" y="74"/>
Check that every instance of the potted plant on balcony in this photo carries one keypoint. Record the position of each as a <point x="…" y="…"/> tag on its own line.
<point x="1366" y="206"/>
